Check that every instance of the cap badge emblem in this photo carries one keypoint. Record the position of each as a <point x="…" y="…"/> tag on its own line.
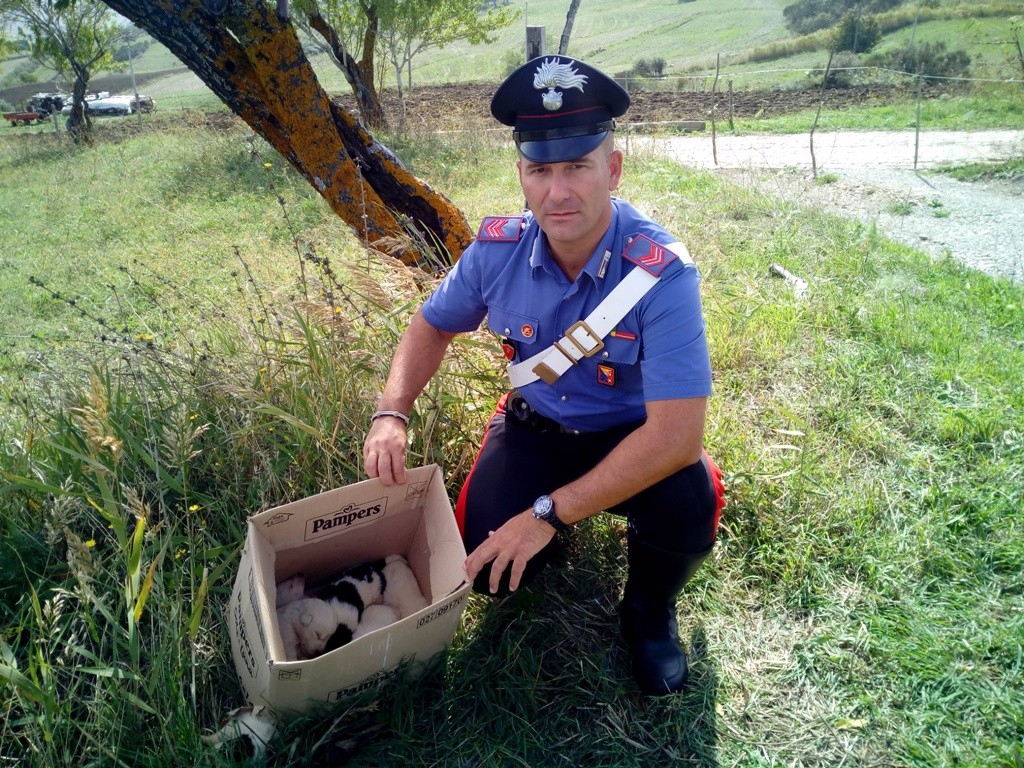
<point x="551" y="75"/>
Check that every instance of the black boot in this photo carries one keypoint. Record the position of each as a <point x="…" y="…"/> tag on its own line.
<point x="648" y="615"/>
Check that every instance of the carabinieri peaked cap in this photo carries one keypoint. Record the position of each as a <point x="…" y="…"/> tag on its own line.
<point x="559" y="108"/>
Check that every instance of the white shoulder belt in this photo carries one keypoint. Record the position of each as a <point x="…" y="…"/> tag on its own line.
<point x="585" y="337"/>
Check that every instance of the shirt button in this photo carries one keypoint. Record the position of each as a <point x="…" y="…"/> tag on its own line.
<point x="508" y="331"/>
<point x="604" y="355"/>
<point x="565" y="398"/>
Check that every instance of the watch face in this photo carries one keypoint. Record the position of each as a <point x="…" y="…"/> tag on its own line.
<point x="543" y="506"/>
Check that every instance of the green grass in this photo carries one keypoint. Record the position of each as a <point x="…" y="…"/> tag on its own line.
<point x="863" y="606"/>
<point x="1010" y="170"/>
<point x="984" y="107"/>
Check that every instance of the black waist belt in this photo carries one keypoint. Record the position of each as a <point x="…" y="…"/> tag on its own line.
<point x="522" y="413"/>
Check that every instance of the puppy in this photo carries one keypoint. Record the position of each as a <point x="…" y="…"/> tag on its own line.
<point x="376" y="617"/>
<point x="306" y="625"/>
<point x="290" y="590"/>
<point x="253" y="727"/>
<point x="346" y="617"/>
<point x="349" y="595"/>
<point x="401" y="588"/>
<point x="367" y="579"/>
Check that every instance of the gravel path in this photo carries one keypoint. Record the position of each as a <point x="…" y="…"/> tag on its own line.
<point x="873" y="179"/>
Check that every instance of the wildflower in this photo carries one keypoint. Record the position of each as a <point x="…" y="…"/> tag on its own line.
<point x="194" y="508"/>
<point x="91" y="543"/>
<point x="268" y="165"/>
<point x="144" y="337"/>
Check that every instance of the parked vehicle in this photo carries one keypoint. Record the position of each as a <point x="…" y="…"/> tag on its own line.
<point x="105" y="104"/>
<point x="47" y="102"/>
<point x="144" y="104"/>
<point x="26" y="118"/>
<point x="37" y="109"/>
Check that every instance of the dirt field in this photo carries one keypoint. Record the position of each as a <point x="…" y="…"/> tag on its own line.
<point x="452" y="106"/>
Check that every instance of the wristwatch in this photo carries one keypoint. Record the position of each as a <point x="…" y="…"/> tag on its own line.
<point x="544" y="509"/>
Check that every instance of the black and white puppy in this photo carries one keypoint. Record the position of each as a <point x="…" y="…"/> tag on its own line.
<point x="349" y="595"/>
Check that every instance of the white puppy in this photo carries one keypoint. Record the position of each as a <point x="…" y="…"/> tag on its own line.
<point x="290" y="590"/>
<point x="400" y="586"/>
<point x="255" y="726"/>
<point x="306" y="625"/>
<point x="376" y="617"/>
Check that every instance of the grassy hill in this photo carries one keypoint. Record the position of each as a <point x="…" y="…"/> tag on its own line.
<point x="690" y="36"/>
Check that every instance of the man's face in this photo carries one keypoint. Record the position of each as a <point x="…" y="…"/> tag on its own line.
<point x="570" y="200"/>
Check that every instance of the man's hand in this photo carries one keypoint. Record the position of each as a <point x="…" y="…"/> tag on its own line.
<point x="384" y="450"/>
<point x="513" y="544"/>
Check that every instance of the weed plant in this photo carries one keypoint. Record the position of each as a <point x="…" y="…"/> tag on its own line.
<point x="864" y="603"/>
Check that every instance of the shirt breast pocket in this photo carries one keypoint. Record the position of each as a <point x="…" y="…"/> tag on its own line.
<point x="622" y="351"/>
<point x="518" y="327"/>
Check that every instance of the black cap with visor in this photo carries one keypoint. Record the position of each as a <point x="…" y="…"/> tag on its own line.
<point x="559" y="108"/>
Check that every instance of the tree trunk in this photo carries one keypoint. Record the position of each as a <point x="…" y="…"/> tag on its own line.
<point x="358" y="73"/>
<point x="79" y="122"/>
<point x="570" y="19"/>
<point x="253" y="61"/>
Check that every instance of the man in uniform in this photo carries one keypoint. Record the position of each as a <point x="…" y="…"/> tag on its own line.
<point x="600" y="315"/>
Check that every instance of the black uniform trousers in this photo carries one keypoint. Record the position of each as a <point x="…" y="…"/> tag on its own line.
<point x="524" y="455"/>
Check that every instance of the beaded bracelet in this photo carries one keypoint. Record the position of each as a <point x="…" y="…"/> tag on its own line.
<point x="396" y="414"/>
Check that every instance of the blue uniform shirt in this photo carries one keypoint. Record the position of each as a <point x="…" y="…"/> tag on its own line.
<point x="657" y="352"/>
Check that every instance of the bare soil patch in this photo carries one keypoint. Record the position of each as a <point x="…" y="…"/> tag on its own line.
<point x="467" y="105"/>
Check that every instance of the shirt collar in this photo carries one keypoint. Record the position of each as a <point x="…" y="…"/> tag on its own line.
<point x="540" y="256"/>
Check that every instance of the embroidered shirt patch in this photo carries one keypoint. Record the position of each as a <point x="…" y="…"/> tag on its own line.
<point x="648" y="255"/>
<point x="500" y="229"/>
<point x="606" y="375"/>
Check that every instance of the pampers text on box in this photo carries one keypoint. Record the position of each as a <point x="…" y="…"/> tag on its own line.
<point x="346" y="517"/>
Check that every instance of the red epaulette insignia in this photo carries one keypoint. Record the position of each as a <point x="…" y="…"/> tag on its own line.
<point x="501" y="229"/>
<point x="647" y="254"/>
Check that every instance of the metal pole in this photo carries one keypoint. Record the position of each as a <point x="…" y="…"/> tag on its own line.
<point x="135" y="87"/>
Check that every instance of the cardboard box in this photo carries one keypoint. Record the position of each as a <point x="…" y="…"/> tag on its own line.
<point x="321" y="536"/>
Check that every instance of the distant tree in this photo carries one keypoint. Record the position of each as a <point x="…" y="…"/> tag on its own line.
<point x="933" y="61"/>
<point x="855" y="33"/>
<point x="71" y="39"/>
<point x="349" y="30"/>
<point x="400" y="29"/>
<point x="841" y="71"/>
<point x="642" y="68"/>
<point x="570" y="19"/>
<point x="806" y="16"/>
<point x="649" y="68"/>
<point x="410" y="27"/>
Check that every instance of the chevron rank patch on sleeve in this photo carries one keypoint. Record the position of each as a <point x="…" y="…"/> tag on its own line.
<point x="648" y="255"/>
<point x="501" y="229"/>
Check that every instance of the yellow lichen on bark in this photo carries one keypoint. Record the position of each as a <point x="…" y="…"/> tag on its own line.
<point x="302" y="109"/>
